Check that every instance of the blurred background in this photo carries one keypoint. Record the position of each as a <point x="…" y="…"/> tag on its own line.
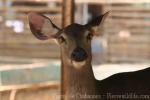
<point x="30" y="68"/>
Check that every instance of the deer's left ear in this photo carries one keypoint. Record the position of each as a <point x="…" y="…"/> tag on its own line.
<point x="42" y="27"/>
<point x="97" y="22"/>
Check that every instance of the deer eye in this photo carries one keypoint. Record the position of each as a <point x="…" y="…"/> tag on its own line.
<point x="61" y="39"/>
<point x="89" y="36"/>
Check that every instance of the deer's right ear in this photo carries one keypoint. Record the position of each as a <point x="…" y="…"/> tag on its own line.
<point x="42" y="27"/>
<point x="97" y="22"/>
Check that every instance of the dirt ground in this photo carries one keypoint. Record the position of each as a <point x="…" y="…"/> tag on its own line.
<point x="35" y="94"/>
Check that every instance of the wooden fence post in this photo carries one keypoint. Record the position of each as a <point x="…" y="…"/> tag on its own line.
<point x="67" y="19"/>
<point x="68" y="12"/>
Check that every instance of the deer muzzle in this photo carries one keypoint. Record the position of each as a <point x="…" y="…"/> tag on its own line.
<point x="79" y="54"/>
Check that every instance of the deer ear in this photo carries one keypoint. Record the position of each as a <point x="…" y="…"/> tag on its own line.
<point x="41" y="26"/>
<point x="97" y="22"/>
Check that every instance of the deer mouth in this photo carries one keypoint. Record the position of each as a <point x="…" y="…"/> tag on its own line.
<point x="78" y="57"/>
<point x="77" y="64"/>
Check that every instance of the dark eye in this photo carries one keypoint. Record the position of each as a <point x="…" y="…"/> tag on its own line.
<point x="61" y="39"/>
<point x="89" y="36"/>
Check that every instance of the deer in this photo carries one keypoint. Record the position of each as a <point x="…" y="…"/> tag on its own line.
<point x="78" y="80"/>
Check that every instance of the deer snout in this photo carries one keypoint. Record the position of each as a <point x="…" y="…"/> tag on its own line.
<point x="79" y="54"/>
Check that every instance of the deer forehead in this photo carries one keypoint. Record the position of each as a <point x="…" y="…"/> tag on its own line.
<point x="76" y="31"/>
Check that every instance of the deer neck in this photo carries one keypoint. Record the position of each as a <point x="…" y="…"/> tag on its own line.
<point x="74" y="74"/>
<point x="81" y="81"/>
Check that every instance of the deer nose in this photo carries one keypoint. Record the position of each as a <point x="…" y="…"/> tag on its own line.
<point x="79" y="54"/>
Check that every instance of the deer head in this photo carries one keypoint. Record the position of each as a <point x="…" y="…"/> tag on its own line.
<point x="74" y="40"/>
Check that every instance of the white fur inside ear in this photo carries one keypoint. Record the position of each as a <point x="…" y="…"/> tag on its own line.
<point x="78" y="65"/>
<point x="47" y="28"/>
<point x="56" y="41"/>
